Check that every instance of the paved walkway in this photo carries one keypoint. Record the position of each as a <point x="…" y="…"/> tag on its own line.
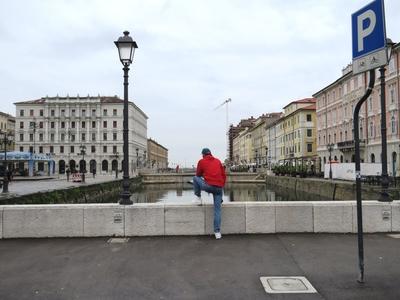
<point x="29" y="187"/>
<point x="197" y="267"/>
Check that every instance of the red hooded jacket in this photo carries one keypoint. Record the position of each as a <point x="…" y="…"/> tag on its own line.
<point x="212" y="170"/>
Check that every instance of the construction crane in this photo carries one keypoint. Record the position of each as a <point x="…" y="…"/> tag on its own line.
<point x="226" y="102"/>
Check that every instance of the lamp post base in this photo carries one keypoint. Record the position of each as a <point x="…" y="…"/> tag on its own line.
<point x="125" y="198"/>
<point x="385" y="197"/>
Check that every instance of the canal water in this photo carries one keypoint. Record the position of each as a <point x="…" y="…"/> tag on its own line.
<point x="175" y="193"/>
<point x="238" y="192"/>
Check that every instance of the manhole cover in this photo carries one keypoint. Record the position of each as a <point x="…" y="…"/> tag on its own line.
<point x="118" y="240"/>
<point x="282" y="284"/>
<point x="395" y="236"/>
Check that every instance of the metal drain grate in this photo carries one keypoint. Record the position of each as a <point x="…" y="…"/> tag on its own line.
<point x="283" y="284"/>
<point x="118" y="240"/>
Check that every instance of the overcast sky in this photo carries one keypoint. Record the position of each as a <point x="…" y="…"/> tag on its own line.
<point x="192" y="56"/>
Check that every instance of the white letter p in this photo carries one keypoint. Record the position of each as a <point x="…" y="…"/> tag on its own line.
<point x="362" y="33"/>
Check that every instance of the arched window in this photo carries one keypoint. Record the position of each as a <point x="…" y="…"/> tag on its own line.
<point x="61" y="166"/>
<point x="114" y="165"/>
<point x="82" y="166"/>
<point x="72" y="165"/>
<point x="92" y="165"/>
<point x="104" y="166"/>
<point x="371" y="129"/>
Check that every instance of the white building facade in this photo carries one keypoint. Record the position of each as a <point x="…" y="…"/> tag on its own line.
<point x="63" y="126"/>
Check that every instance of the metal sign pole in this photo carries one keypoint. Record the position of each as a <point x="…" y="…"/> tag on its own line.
<point x="358" y="175"/>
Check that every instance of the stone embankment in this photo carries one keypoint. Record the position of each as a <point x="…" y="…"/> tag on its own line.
<point x="157" y="219"/>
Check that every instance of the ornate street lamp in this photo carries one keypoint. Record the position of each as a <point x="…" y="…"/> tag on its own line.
<point x="126" y="49"/>
<point x="116" y="156"/>
<point x="330" y="149"/>
<point x="83" y="167"/>
<point x="385" y="179"/>
<point x="5" y="139"/>
<point x="137" y="157"/>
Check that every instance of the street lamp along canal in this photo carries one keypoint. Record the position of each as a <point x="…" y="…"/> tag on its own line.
<point x="330" y="149"/>
<point x="82" y="167"/>
<point x="384" y="197"/>
<point x="6" y="139"/>
<point x="126" y="49"/>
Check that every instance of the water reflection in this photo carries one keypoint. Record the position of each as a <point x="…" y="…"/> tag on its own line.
<point x="183" y="193"/>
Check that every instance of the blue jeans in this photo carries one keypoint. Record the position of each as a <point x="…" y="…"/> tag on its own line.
<point x="200" y="185"/>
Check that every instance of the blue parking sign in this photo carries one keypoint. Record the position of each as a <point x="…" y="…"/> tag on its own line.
<point x="369" y="37"/>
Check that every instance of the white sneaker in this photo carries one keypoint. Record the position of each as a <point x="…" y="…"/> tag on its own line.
<point x="197" y="201"/>
<point x="218" y="235"/>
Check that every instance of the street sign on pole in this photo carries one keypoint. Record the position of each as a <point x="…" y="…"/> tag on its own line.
<point x="369" y="37"/>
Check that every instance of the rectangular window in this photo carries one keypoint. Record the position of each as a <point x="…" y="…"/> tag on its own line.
<point x="83" y="112"/>
<point x="31" y="137"/>
<point x="114" y="124"/>
<point x="63" y="112"/>
<point x="40" y="149"/>
<point x="21" y="125"/>
<point x="309" y="118"/>
<point x="31" y="149"/>
<point x="72" y="137"/>
<point x="41" y="112"/>
<point x="83" y="137"/>
<point x="62" y="137"/>
<point x="40" y="124"/>
<point x="62" y="124"/>
<point x="72" y="124"/>
<point x="31" y="112"/>
<point x="93" y="124"/>
<point x="41" y="137"/>
<point x="83" y="124"/>
<point x="21" y="113"/>
<point x="21" y="137"/>
<point x="52" y="125"/>
<point x="309" y="147"/>
<point x="93" y="149"/>
<point x="104" y="112"/>
<point x="114" y="112"/>
<point x="104" y="136"/>
<point x="114" y="136"/>
<point x="93" y="112"/>
<point x="93" y="136"/>
<point x="73" y="112"/>
<point x="309" y="132"/>
<point x="52" y="137"/>
<point x="72" y="149"/>
<point x="61" y="149"/>
<point x="105" y="149"/>
<point x="114" y="149"/>
<point x="21" y="149"/>
<point x="52" y="113"/>
<point x="51" y="149"/>
<point x="104" y="124"/>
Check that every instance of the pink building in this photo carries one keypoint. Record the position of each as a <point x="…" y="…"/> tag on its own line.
<point x="335" y="106"/>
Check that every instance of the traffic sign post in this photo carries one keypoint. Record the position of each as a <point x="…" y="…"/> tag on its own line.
<point x="369" y="53"/>
<point x="369" y="37"/>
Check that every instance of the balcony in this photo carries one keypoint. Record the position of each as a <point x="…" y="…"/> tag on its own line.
<point x="348" y="146"/>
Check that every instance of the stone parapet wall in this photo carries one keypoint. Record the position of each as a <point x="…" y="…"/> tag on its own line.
<point x="157" y="219"/>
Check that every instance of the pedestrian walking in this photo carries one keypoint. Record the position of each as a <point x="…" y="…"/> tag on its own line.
<point x="210" y="177"/>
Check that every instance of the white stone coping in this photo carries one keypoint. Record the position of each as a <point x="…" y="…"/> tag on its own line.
<point x="159" y="219"/>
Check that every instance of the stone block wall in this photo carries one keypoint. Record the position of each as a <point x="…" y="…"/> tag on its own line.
<point x="158" y="219"/>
